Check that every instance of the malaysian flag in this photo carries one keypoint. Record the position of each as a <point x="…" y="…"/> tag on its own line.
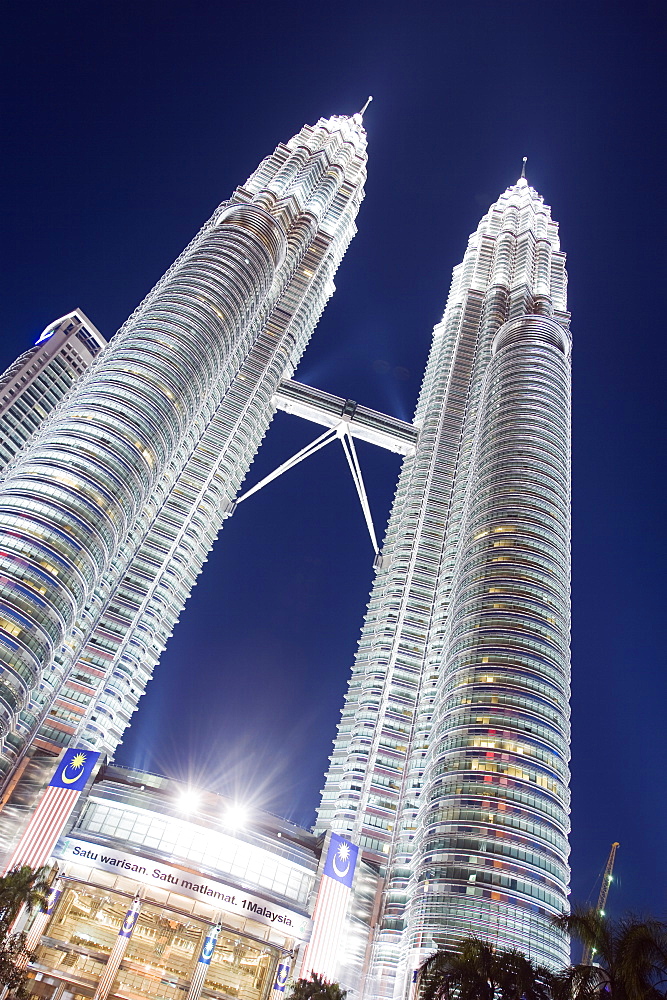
<point x="333" y="897"/>
<point x="55" y="806"/>
<point x="282" y="975"/>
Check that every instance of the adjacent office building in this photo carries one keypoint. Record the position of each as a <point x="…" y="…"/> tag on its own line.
<point x="30" y="389"/>
<point x="39" y="378"/>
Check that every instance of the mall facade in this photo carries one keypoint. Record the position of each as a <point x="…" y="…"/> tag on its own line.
<point x="156" y="893"/>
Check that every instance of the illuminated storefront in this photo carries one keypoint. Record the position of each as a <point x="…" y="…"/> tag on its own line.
<point x="153" y="901"/>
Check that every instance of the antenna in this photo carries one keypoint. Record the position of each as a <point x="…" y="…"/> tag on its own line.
<point x="523" y="168"/>
<point x="363" y="110"/>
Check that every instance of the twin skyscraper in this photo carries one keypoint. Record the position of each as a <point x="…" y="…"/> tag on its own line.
<point x="450" y="766"/>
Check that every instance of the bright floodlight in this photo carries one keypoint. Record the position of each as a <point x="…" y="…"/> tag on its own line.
<point x="188" y="800"/>
<point x="236" y="816"/>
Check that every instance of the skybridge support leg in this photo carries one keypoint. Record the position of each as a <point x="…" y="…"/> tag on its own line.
<point x="342" y="432"/>
<point x="321" y="442"/>
<point x="353" y="461"/>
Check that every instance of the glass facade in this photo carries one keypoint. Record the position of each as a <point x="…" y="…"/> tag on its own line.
<point x="450" y="766"/>
<point x="119" y="498"/>
<point x="207" y="849"/>
<point x="162" y="951"/>
<point x="40" y="378"/>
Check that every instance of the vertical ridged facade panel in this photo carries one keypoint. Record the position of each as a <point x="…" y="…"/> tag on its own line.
<point x="134" y="624"/>
<point x="69" y="500"/>
<point x="374" y="789"/>
<point x="491" y="850"/>
<point x="123" y="489"/>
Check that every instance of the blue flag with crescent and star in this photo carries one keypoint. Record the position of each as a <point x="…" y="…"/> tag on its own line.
<point x="74" y="769"/>
<point x="341" y="860"/>
<point x="131" y="918"/>
<point x="52" y="897"/>
<point x="282" y="975"/>
<point x="208" y="946"/>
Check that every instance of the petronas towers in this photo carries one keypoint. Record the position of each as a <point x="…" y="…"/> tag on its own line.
<point x="450" y="766"/>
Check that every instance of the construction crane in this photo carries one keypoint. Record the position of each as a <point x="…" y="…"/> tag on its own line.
<point x="589" y="951"/>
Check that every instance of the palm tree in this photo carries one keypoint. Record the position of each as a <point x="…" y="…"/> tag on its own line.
<point x="315" y="988"/>
<point x="630" y="957"/>
<point x="20" y="887"/>
<point x="13" y="966"/>
<point x="476" y="970"/>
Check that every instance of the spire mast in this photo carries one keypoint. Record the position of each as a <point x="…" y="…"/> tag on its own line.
<point x="363" y="110"/>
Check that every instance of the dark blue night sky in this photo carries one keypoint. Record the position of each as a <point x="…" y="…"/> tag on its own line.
<point x="125" y="123"/>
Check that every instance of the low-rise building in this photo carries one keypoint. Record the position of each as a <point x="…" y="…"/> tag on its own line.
<point x="172" y="875"/>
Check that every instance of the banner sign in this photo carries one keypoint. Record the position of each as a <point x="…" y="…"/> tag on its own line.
<point x="209" y="946"/>
<point x="74" y="769"/>
<point x="131" y="918"/>
<point x="52" y="897"/>
<point x="341" y="860"/>
<point x="324" y="953"/>
<point x="185" y="883"/>
<point x="53" y="809"/>
<point x="282" y="975"/>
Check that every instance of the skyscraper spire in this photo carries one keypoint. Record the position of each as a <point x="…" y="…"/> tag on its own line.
<point x="523" y="168"/>
<point x="363" y="110"/>
<point x="450" y="767"/>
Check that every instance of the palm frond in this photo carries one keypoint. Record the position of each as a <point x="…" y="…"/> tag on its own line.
<point x="589" y="927"/>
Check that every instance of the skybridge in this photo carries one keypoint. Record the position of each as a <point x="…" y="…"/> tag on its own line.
<point x="345" y="420"/>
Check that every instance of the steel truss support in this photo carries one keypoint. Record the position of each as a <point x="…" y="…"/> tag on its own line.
<point x="341" y="432"/>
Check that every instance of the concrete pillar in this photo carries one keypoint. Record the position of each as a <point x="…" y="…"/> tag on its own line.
<point x="36" y="929"/>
